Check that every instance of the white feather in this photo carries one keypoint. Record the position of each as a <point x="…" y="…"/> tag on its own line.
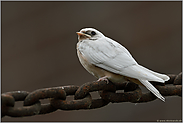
<point x="151" y="88"/>
<point x="162" y="76"/>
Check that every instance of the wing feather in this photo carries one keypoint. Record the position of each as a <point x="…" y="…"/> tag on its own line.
<point x="111" y="56"/>
<point x="107" y="54"/>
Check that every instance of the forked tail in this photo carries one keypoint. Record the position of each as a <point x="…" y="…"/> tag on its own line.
<point x="151" y="88"/>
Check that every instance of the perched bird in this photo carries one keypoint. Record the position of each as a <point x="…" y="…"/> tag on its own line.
<point x="106" y="59"/>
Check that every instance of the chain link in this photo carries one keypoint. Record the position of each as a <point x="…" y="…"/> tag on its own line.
<point x="82" y="99"/>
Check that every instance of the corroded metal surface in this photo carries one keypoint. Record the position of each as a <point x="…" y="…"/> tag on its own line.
<point x="108" y="92"/>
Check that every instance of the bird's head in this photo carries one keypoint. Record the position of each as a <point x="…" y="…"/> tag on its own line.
<point x="89" y="33"/>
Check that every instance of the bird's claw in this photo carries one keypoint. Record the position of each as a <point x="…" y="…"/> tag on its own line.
<point x="103" y="79"/>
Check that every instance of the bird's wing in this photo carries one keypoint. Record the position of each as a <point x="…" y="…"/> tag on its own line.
<point x="111" y="56"/>
<point x="107" y="54"/>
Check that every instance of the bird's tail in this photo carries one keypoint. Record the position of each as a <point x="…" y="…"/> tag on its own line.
<point x="161" y="76"/>
<point x="151" y="88"/>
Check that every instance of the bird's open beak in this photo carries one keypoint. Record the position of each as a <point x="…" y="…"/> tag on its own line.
<point x="80" y="34"/>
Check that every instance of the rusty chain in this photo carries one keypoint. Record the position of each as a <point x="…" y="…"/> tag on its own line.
<point x="82" y="98"/>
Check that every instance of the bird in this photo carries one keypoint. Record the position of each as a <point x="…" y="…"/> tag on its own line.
<point x="107" y="59"/>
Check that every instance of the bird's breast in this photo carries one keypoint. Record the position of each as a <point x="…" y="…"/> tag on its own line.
<point x="92" y="69"/>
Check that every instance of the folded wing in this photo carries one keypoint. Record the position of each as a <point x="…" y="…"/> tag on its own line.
<point x="111" y="56"/>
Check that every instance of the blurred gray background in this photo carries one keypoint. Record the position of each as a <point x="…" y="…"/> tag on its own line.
<point x="39" y="51"/>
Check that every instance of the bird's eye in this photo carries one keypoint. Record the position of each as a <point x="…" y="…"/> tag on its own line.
<point x="93" y="33"/>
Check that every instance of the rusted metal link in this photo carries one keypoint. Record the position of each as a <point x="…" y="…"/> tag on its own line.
<point x="131" y="95"/>
<point x="108" y="92"/>
<point x="82" y="91"/>
<point x="84" y="103"/>
<point x="93" y="86"/>
<point x="20" y="111"/>
<point x="170" y="90"/>
<point x="55" y="92"/>
<point x="70" y="89"/>
<point x="7" y="100"/>
<point x="17" y="95"/>
<point x="48" y="108"/>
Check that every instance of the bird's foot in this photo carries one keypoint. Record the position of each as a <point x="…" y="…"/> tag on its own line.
<point x="103" y="79"/>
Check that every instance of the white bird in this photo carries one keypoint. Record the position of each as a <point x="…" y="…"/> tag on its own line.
<point x="107" y="59"/>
